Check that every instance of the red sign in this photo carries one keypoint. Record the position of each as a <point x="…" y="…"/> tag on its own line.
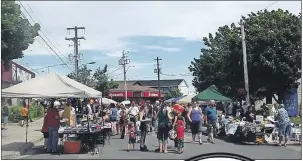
<point x="120" y="94"/>
<point x="151" y="94"/>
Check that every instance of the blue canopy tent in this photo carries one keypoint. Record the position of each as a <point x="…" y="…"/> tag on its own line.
<point x="169" y="100"/>
<point x="177" y="99"/>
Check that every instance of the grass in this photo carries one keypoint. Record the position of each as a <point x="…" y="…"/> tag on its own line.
<point x="296" y="120"/>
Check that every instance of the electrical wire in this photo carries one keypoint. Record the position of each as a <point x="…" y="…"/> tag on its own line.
<point x="41" y="29"/>
<point x="45" y="40"/>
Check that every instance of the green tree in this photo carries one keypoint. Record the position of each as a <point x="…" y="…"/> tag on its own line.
<point x="273" y="41"/>
<point x="102" y="81"/>
<point x="98" y="80"/>
<point x="173" y="93"/>
<point x="16" y="32"/>
<point x="84" y="76"/>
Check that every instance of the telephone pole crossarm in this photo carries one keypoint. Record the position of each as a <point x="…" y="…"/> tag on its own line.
<point x="76" y="39"/>
<point x="123" y="62"/>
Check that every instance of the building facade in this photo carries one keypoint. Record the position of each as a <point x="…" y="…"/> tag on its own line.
<point x="15" y="74"/>
<point x="165" y="85"/>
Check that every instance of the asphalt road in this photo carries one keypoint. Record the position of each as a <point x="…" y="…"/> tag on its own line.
<point x="117" y="150"/>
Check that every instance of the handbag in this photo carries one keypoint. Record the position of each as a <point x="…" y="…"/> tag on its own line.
<point x="172" y="134"/>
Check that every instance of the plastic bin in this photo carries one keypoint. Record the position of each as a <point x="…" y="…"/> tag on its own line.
<point x="72" y="147"/>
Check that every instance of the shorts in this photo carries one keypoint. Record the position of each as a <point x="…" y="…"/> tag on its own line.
<point x="284" y="130"/>
<point x="45" y="135"/>
<point x="196" y="127"/>
<point x="5" y="119"/>
<point x="211" y="127"/>
<point x="132" y="119"/>
<point x="131" y="140"/>
<point x="162" y="134"/>
<point x="24" y="118"/>
<point x="113" y="119"/>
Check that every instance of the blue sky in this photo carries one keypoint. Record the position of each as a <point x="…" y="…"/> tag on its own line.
<point x="176" y="55"/>
<point x="171" y="30"/>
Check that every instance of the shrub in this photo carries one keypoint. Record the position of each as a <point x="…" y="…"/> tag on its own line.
<point x="35" y="112"/>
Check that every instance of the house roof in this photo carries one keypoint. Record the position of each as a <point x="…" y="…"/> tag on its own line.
<point x="154" y="83"/>
<point x="131" y="87"/>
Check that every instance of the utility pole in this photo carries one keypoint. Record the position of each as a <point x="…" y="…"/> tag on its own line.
<point x="76" y="39"/>
<point x="245" y="63"/>
<point x="158" y="71"/>
<point x="124" y="61"/>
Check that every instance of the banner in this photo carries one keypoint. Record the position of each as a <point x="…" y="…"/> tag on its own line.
<point x="291" y="102"/>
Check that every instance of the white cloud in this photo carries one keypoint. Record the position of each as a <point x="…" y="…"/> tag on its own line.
<point x="166" y="49"/>
<point x="108" y="22"/>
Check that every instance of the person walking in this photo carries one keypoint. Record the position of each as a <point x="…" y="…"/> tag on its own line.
<point x="53" y="123"/>
<point x="210" y="120"/>
<point x="44" y="130"/>
<point x="113" y="118"/>
<point x="284" y="126"/>
<point x="163" y="129"/>
<point x="5" y="116"/>
<point x="143" y="128"/>
<point x="123" y="121"/>
<point x="195" y="118"/>
<point x="24" y="114"/>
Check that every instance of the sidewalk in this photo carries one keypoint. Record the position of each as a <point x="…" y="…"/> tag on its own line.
<point x="13" y="139"/>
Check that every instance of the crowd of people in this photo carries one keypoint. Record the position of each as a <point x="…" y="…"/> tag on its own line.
<point x="168" y="120"/>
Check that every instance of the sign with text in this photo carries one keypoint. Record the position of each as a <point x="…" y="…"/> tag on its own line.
<point x="120" y="94"/>
<point x="151" y="94"/>
<point x="291" y="102"/>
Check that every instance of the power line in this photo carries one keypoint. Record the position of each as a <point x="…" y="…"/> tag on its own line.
<point x="270" y="5"/>
<point x="114" y="71"/>
<point x="44" y="35"/>
<point x="41" y="29"/>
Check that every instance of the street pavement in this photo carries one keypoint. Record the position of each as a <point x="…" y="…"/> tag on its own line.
<point x="117" y="150"/>
<point x="13" y="139"/>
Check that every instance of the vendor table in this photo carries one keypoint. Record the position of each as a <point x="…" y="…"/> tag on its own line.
<point x="87" y="137"/>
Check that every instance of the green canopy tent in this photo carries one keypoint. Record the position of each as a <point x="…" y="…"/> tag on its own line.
<point x="211" y="93"/>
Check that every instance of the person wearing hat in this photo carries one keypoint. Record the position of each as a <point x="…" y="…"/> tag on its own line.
<point x="283" y="123"/>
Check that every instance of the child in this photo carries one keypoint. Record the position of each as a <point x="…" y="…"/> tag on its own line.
<point x="180" y="134"/>
<point x="132" y="136"/>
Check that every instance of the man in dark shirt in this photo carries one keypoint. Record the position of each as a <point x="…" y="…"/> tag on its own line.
<point x="249" y="114"/>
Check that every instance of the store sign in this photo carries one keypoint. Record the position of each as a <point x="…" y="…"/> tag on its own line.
<point x="151" y="94"/>
<point x="120" y="94"/>
<point x="291" y="102"/>
<point x="20" y="75"/>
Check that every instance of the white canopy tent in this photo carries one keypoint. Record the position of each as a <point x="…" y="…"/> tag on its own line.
<point x="107" y="101"/>
<point x="187" y="99"/>
<point x="52" y="85"/>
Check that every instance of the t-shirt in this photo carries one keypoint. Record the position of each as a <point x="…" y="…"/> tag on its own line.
<point x="52" y="117"/>
<point x="132" y="133"/>
<point x="282" y="116"/>
<point x="24" y="111"/>
<point x="211" y="114"/>
<point x="133" y="111"/>
<point x="247" y="116"/>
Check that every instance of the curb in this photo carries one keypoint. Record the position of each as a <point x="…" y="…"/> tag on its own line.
<point x="21" y="151"/>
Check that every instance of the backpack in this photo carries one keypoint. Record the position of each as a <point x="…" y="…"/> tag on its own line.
<point x="132" y="134"/>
